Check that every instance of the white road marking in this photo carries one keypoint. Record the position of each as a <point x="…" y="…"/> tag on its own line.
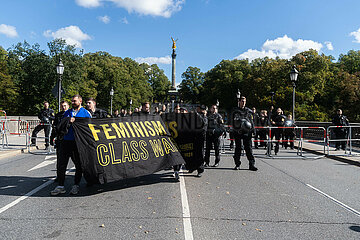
<point x="49" y="157"/>
<point x="6" y="187"/>
<point x="42" y="164"/>
<point x="29" y="194"/>
<point x="335" y="200"/>
<point x="186" y="210"/>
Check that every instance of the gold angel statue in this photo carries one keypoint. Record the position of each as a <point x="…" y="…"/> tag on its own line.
<point x="174" y="43"/>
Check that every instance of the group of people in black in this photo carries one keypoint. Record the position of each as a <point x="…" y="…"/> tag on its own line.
<point x="245" y="124"/>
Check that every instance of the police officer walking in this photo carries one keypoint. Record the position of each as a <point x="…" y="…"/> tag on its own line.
<point x="243" y="126"/>
<point x="213" y="133"/>
<point x="46" y="116"/>
<point x="341" y="132"/>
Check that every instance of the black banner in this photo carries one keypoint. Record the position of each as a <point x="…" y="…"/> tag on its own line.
<point x="112" y="149"/>
<point x="188" y="131"/>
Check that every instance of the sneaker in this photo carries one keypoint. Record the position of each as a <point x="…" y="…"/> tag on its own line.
<point x="177" y="177"/>
<point x="237" y="168"/>
<point x="58" y="190"/>
<point x="216" y="165"/>
<point x="74" y="190"/>
<point x="206" y="165"/>
<point x="199" y="175"/>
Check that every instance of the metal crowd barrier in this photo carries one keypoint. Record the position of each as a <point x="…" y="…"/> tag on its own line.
<point x="5" y="130"/>
<point x="350" y="135"/>
<point x="299" y="138"/>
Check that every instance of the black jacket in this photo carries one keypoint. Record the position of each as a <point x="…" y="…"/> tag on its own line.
<point x="46" y="115"/>
<point x="99" y="113"/>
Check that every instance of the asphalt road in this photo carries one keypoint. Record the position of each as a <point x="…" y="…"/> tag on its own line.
<point x="288" y="198"/>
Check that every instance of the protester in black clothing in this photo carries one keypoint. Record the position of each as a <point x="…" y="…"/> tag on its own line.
<point x="340" y="132"/>
<point x="243" y="126"/>
<point x="201" y="112"/>
<point x="214" y="131"/>
<point x="157" y="111"/>
<point x="64" y="106"/>
<point x="95" y="112"/>
<point x="277" y="120"/>
<point x="289" y="132"/>
<point x="116" y="114"/>
<point x="46" y="116"/>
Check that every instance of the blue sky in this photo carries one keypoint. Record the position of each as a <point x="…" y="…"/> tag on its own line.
<point x="208" y="31"/>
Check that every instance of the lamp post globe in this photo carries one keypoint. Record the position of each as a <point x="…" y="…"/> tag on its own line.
<point x="60" y="71"/>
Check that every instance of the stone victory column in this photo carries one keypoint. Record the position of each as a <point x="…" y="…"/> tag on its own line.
<point x="173" y="93"/>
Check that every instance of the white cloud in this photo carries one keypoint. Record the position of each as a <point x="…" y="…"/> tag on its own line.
<point x="88" y="3"/>
<point x="163" y="8"/>
<point x="9" y="31"/>
<point x="124" y="20"/>
<point x="154" y="60"/>
<point x="356" y="34"/>
<point x="329" y="46"/>
<point x="71" y="34"/>
<point x="283" y="47"/>
<point x="105" y="19"/>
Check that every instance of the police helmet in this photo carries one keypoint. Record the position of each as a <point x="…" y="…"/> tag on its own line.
<point x="289" y="123"/>
<point x="245" y="125"/>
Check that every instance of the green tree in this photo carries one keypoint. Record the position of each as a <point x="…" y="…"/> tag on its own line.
<point x="191" y="86"/>
<point x="158" y="81"/>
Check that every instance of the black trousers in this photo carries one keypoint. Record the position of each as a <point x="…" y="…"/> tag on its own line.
<point x="289" y="135"/>
<point x="278" y="135"/>
<point x="340" y="134"/>
<point x="68" y="149"/>
<point x="37" y="129"/>
<point x="211" y="139"/>
<point x="262" y="135"/>
<point x="241" y="139"/>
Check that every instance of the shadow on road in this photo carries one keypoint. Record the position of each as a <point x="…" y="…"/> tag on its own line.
<point x="20" y="185"/>
<point x="355" y="228"/>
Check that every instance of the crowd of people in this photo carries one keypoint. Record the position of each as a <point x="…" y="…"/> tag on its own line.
<point x="246" y="124"/>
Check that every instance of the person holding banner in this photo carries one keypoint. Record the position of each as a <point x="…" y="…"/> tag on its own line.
<point x="95" y="112"/>
<point x="68" y="146"/>
<point x="243" y="126"/>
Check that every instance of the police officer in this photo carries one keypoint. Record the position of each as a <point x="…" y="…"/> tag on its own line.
<point x="46" y="116"/>
<point x="340" y="133"/>
<point x="95" y="112"/>
<point x="278" y="120"/>
<point x="289" y="132"/>
<point x="213" y="133"/>
<point x="243" y="126"/>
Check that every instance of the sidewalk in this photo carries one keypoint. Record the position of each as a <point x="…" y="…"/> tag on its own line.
<point x="17" y="145"/>
<point x="341" y="155"/>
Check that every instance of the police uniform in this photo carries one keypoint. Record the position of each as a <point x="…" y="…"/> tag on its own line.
<point x="46" y="117"/>
<point x="256" y="133"/>
<point x="340" y="133"/>
<point x="243" y="127"/>
<point x="213" y="133"/>
<point x="279" y="120"/>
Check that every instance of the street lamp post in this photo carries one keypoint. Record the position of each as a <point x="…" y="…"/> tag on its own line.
<point x="238" y="94"/>
<point x="60" y="71"/>
<point x="130" y="104"/>
<point x="111" y="99"/>
<point x="293" y="77"/>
